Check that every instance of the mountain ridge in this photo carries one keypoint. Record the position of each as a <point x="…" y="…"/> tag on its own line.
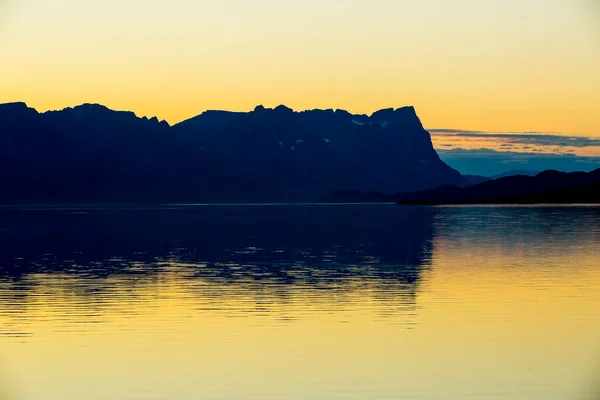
<point x="260" y="107"/>
<point x="91" y="153"/>
<point x="548" y="186"/>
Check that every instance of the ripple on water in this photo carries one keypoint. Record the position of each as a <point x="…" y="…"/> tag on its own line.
<point x="310" y="302"/>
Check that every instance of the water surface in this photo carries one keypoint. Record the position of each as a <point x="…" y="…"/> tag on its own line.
<point x="300" y="302"/>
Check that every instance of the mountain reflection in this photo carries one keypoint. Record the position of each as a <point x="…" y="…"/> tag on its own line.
<point x="300" y="302"/>
<point x="286" y="250"/>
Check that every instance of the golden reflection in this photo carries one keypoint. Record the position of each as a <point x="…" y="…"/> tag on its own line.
<point x="508" y="305"/>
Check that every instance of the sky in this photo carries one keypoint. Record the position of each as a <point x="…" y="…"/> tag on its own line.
<point x="493" y="153"/>
<point x="475" y="65"/>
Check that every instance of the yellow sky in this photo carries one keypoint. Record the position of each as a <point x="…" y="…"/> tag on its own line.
<point x="488" y="65"/>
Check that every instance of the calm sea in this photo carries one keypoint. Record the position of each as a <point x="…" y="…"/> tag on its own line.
<point x="300" y="302"/>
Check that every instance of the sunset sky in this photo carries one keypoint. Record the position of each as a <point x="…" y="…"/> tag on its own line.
<point x="483" y="65"/>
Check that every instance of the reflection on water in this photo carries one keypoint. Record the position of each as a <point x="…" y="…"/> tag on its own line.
<point x="307" y="302"/>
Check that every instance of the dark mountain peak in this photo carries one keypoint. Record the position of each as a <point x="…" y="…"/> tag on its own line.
<point x="16" y="110"/>
<point x="472" y="180"/>
<point x="87" y="110"/>
<point x="283" y="109"/>
<point x="91" y="107"/>
<point x="84" y="110"/>
<point x="96" y="116"/>
<point x="16" y="106"/>
<point x="156" y="121"/>
<point x="218" y="112"/>
<point x="342" y="114"/>
<point x="382" y="115"/>
<point x="259" y="108"/>
<point x="407" y="110"/>
<point x="328" y="111"/>
<point x="407" y="113"/>
<point x="550" y="173"/>
<point x="404" y="118"/>
<point x="515" y="172"/>
<point x="210" y="119"/>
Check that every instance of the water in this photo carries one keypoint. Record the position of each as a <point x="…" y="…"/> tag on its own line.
<point x="300" y="302"/>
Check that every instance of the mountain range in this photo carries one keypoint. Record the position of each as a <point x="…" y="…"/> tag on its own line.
<point x="91" y="154"/>
<point x="545" y="187"/>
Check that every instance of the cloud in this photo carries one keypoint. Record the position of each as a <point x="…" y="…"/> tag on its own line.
<point x="451" y="131"/>
<point x="490" y="162"/>
<point x="526" y="138"/>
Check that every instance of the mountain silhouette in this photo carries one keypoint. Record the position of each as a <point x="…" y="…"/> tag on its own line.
<point x="100" y="242"/>
<point x="475" y="179"/>
<point x="515" y="173"/>
<point x="91" y="154"/>
<point x="546" y="187"/>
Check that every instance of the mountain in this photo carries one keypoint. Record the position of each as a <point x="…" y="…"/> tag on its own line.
<point x="515" y="173"/>
<point x="546" y="187"/>
<point x="83" y="154"/>
<point x="91" y="154"/>
<point x="475" y="179"/>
